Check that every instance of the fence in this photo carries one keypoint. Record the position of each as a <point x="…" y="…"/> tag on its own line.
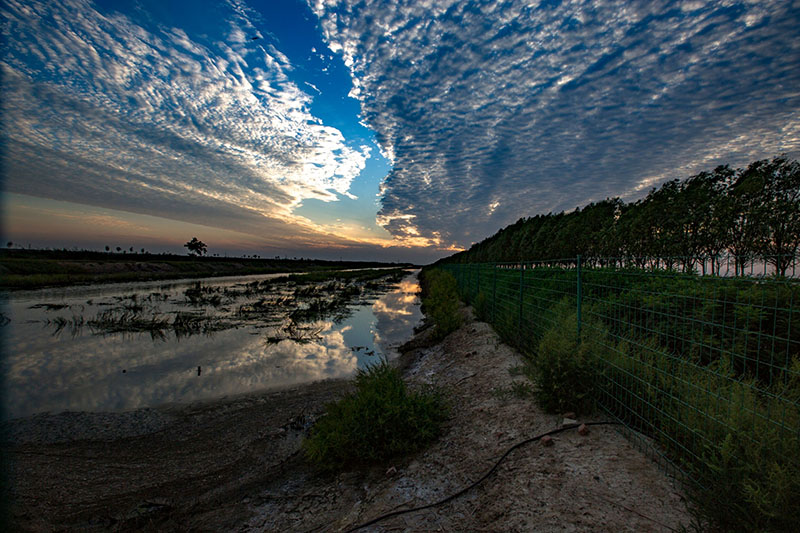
<point x="684" y="360"/>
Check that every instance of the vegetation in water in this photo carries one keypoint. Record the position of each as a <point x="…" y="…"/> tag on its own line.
<point x="382" y="420"/>
<point x="289" y="307"/>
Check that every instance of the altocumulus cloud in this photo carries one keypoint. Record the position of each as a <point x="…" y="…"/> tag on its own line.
<point x="494" y="110"/>
<point x="120" y="111"/>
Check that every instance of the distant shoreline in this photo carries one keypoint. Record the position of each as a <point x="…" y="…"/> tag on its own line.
<point x="35" y="269"/>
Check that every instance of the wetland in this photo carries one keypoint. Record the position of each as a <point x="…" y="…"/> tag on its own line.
<point x="141" y="344"/>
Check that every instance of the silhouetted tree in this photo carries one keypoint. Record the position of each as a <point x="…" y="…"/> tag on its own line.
<point x="196" y="247"/>
<point x="750" y="213"/>
<point x="778" y="211"/>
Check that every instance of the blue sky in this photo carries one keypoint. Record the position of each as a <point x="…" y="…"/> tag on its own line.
<point x="401" y="130"/>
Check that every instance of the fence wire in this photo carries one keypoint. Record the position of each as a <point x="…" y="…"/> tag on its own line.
<point x="684" y="360"/>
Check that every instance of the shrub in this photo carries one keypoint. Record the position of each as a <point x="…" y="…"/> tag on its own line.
<point x="440" y="302"/>
<point x="564" y="369"/>
<point x="381" y="420"/>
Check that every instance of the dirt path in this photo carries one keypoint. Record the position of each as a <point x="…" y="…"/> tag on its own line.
<point x="234" y="465"/>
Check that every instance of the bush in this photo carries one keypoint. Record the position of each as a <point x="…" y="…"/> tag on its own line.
<point x="440" y="302"/>
<point x="734" y="440"/>
<point x="381" y="420"/>
<point x="563" y="369"/>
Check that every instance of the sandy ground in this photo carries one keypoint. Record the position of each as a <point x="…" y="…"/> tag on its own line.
<point x="234" y="464"/>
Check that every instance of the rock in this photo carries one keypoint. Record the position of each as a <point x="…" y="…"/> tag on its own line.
<point x="569" y="415"/>
<point x="547" y="440"/>
<point x="568" y="421"/>
<point x="583" y="430"/>
<point x="391" y="471"/>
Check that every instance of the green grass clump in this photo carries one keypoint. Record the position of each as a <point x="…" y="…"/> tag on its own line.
<point x="440" y="302"/>
<point x="381" y="420"/>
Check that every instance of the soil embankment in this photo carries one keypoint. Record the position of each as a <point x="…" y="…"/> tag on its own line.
<point x="24" y="269"/>
<point x="234" y="464"/>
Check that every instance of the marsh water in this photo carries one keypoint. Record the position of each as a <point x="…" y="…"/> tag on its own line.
<point x="122" y="346"/>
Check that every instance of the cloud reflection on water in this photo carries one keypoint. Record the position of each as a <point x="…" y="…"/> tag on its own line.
<point x="86" y="372"/>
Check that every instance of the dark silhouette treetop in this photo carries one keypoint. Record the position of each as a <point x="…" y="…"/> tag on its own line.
<point x="196" y="247"/>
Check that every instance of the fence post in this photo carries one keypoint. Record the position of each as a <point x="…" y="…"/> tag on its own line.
<point x="579" y="296"/>
<point x="521" y="285"/>
<point x="494" y="291"/>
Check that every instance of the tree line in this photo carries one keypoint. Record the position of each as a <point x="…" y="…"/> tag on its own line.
<point x="748" y="213"/>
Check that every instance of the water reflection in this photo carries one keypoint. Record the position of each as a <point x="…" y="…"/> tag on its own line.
<point x="122" y="371"/>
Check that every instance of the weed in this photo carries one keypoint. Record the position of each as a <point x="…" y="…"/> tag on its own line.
<point x="381" y="420"/>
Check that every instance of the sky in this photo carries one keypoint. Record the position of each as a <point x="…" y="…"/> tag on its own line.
<point x="398" y="131"/>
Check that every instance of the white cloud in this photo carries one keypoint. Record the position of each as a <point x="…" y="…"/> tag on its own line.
<point x="99" y="108"/>
<point x="530" y="109"/>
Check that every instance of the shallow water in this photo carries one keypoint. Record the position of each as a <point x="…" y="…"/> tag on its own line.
<point x="75" y="367"/>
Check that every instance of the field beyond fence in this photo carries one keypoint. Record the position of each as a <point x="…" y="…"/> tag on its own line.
<point x="702" y="370"/>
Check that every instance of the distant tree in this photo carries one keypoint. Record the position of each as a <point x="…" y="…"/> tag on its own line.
<point x="108" y="248"/>
<point x="10" y="244"/>
<point x="196" y="247"/>
<point x="142" y="250"/>
<point x="119" y="249"/>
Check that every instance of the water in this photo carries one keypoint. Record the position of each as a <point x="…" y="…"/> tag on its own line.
<point x="77" y="367"/>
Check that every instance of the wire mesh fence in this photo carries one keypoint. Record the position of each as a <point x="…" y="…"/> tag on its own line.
<point x="685" y="360"/>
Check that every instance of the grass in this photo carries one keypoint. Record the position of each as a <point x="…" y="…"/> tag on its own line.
<point x="440" y="302"/>
<point x="31" y="269"/>
<point x="382" y="420"/>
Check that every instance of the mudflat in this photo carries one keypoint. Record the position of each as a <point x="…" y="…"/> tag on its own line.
<point x="236" y="464"/>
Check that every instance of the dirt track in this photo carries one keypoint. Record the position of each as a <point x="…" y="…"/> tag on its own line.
<point x="234" y="464"/>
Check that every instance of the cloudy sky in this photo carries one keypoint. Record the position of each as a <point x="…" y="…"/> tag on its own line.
<point x="389" y="130"/>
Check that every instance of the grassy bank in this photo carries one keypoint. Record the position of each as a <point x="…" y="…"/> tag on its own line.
<point x="32" y="269"/>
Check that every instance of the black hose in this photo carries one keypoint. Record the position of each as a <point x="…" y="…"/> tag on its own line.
<point x="481" y="480"/>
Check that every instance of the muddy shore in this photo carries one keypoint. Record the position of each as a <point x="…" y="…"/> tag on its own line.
<point x="235" y="464"/>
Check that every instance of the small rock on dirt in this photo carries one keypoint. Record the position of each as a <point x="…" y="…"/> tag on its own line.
<point x="583" y="430"/>
<point x="547" y="440"/>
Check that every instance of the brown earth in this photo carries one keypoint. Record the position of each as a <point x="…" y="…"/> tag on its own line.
<point x="234" y="464"/>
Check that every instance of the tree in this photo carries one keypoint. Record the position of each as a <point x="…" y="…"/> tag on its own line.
<point x="107" y="248"/>
<point x="196" y="247"/>
<point x="778" y="211"/>
<point x="119" y="249"/>
<point x="10" y="244"/>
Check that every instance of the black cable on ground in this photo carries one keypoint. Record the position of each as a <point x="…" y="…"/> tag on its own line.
<point x="481" y="480"/>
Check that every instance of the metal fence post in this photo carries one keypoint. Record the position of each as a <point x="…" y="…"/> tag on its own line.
<point x="579" y="296"/>
<point x="494" y="291"/>
<point x="521" y="285"/>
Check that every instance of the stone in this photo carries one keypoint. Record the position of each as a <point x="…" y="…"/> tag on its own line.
<point x="569" y="415"/>
<point x="568" y="421"/>
<point x="583" y="430"/>
<point x="547" y="440"/>
<point x="391" y="471"/>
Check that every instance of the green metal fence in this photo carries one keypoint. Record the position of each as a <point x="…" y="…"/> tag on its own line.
<point x="684" y="360"/>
